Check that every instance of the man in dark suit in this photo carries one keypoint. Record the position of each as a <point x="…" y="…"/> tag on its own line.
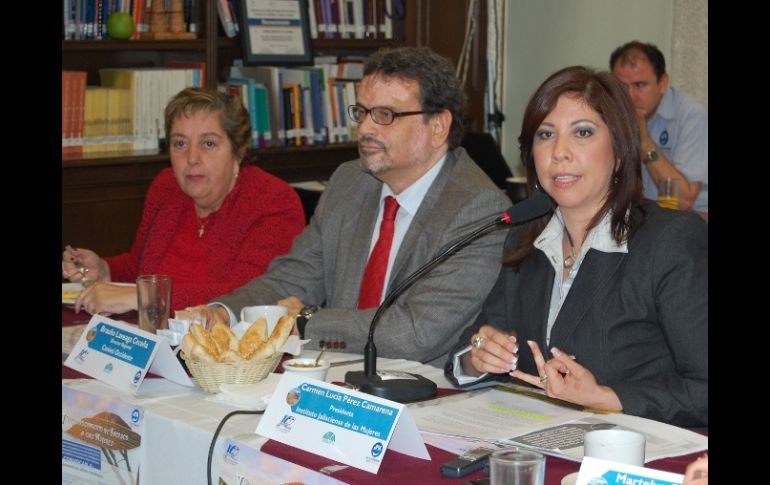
<point x="408" y="109"/>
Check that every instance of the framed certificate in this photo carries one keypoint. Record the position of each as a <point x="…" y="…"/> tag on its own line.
<point x="275" y="32"/>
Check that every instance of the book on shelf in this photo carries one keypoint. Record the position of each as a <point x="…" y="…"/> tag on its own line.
<point x="148" y="91"/>
<point x="87" y="19"/>
<point x="270" y="77"/>
<point x="351" y="19"/>
<point x="198" y="67"/>
<point x="226" y="16"/>
<point x="306" y="105"/>
<point x="73" y="111"/>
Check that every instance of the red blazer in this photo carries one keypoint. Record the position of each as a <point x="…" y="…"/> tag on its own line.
<point x="256" y="222"/>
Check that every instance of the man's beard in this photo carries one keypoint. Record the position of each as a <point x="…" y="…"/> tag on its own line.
<point x="369" y="165"/>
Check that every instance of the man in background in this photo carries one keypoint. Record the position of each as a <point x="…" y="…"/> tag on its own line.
<point x="672" y="125"/>
<point x="381" y="217"/>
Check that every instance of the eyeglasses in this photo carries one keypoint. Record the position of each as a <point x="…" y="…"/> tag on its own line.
<point x="381" y="116"/>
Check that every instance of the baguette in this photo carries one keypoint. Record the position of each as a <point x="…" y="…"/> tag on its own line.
<point x="264" y="350"/>
<point x="200" y="352"/>
<point x="188" y="344"/>
<point x="281" y="332"/>
<point x="230" y="356"/>
<point x="253" y="338"/>
<point x="224" y="337"/>
<point x="204" y="339"/>
<point x="273" y="344"/>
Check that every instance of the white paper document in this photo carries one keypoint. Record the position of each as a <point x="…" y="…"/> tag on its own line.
<point x="508" y="416"/>
<point x="489" y="414"/>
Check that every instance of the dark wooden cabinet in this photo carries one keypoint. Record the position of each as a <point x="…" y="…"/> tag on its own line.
<point x="103" y="195"/>
<point x="441" y="25"/>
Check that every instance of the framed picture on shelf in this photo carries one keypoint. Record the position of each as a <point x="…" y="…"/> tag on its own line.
<point x="275" y="32"/>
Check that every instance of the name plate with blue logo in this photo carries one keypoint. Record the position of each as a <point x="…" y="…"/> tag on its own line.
<point x="339" y="423"/>
<point x="594" y="471"/>
<point x="120" y="355"/>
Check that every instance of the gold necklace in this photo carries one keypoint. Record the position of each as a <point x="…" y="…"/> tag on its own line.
<point x="203" y="221"/>
<point x="570" y="260"/>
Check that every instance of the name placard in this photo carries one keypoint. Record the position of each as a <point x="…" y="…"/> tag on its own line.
<point x="339" y="423"/>
<point x="120" y="355"/>
<point x="595" y="471"/>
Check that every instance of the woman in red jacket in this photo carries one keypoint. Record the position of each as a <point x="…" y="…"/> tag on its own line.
<point x="209" y="222"/>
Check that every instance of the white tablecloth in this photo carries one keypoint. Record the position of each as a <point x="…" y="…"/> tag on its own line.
<point x="180" y="422"/>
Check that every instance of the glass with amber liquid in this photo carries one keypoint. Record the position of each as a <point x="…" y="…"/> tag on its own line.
<point x="668" y="193"/>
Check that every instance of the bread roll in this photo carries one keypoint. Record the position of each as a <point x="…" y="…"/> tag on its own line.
<point x="223" y="336"/>
<point x="253" y="338"/>
<point x="200" y="352"/>
<point x="264" y="350"/>
<point x="204" y="338"/>
<point x="282" y="331"/>
<point x="188" y="344"/>
<point x="260" y="327"/>
<point x="230" y="356"/>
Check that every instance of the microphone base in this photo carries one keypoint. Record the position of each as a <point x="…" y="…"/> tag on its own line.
<point x="409" y="389"/>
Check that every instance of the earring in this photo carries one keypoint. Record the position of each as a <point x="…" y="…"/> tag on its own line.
<point x="537" y="186"/>
<point x="615" y="180"/>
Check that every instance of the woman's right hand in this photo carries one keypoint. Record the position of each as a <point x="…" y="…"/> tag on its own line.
<point x="79" y="263"/>
<point x="491" y="351"/>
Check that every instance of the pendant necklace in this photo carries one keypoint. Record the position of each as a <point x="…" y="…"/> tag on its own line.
<point x="570" y="260"/>
<point x="203" y="221"/>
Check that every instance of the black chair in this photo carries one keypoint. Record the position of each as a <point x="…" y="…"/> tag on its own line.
<point x="483" y="149"/>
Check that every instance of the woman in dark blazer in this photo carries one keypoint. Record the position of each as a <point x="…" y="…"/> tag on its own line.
<point x="604" y="302"/>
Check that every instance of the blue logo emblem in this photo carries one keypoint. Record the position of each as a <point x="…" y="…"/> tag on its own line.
<point x="232" y="451"/>
<point x="377" y="449"/>
<point x="285" y="424"/>
<point x="329" y="438"/>
<point x="135" y="415"/>
<point x="137" y="376"/>
<point x="108" y="368"/>
<point x="663" y="139"/>
<point x="231" y="455"/>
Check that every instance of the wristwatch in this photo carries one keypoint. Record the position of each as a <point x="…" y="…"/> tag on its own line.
<point x="304" y="316"/>
<point x="651" y="156"/>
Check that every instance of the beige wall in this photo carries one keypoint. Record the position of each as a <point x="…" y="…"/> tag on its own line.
<point x="543" y="36"/>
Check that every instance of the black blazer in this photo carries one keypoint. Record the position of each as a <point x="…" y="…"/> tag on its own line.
<point x="638" y="320"/>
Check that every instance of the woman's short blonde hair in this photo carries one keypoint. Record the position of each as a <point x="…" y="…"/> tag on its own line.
<point x="232" y="115"/>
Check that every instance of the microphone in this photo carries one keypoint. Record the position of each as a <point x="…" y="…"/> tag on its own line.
<point x="404" y="386"/>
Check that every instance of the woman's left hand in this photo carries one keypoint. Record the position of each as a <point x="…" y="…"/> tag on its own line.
<point x="106" y="299"/>
<point x="565" y="379"/>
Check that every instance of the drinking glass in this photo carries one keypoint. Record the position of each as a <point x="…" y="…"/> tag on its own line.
<point x="516" y="466"/>
<point x="153" y="301"/>
<point x="668" y="193"/>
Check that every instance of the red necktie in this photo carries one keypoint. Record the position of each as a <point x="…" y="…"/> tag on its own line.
<point x="377" y="267"/>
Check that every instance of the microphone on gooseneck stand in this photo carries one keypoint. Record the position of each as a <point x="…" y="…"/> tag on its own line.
<point x="403" y="386"/>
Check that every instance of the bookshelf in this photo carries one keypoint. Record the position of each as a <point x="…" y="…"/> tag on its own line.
<point x="103" y="194"/>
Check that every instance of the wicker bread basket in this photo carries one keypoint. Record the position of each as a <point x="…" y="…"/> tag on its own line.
<point x="209" y="375"/>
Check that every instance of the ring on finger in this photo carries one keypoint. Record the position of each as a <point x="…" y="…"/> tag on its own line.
<point x="543" y="379"/>
<point x="478" y="340"/>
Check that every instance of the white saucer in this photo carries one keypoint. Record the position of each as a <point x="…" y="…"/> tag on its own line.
<point x="570" y="479"/>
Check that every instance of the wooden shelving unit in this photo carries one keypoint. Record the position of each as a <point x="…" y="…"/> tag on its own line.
<point x="103" y="195"/>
